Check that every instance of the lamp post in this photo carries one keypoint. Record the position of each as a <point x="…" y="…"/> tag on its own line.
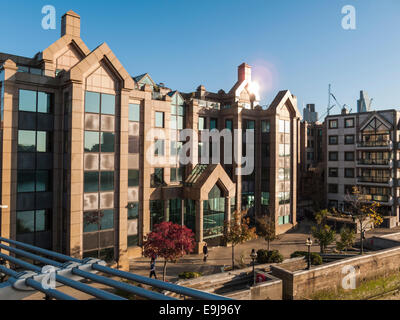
<point x="309" y="244"/>
<point x="253" y="257"/>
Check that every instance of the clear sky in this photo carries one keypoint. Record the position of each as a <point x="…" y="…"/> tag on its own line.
<point x="298" y="45"/>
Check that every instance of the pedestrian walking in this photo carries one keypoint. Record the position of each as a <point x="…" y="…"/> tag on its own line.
<point x="153" y="269"/>
<point x="205" y="252"/>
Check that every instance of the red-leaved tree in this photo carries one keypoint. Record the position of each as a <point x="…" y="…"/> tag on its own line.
<point x="170" y="242"/>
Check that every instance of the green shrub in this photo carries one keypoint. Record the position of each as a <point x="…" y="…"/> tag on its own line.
<point x="316" y="259"/>
<point x="265" y="256"/>
<point x="190" y="275"/>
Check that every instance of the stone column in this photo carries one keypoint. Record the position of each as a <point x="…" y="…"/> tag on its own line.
<point x="8" y="171"/>
<point x="183" y="211"/>
<point x="166" y="210"/>
<point x="227" y="209"/>
<point x="199" y="225"/>
<point x="121" y="206"/>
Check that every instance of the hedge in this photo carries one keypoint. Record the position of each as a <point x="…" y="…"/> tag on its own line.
<point x="316" y="259"/>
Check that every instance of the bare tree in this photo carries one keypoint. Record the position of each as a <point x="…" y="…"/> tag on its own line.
<point x="363" y="212"/>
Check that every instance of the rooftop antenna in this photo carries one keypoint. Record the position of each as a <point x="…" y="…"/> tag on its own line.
<point x="330" y="107"/>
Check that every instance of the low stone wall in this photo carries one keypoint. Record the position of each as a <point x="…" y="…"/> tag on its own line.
<point x="383" y="242"/>
<point x="236" y="284"/>
<point x="299" y="285"/>
<point x="269" y="290"/>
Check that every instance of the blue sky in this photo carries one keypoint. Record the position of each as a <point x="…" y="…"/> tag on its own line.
<point x="298" y="45"/>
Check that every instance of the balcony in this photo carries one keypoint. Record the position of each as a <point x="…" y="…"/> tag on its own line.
<point x="381" y="145"/>
<point x="375" y="181"/>
<point x="366" y="163"/>
<point x="382" y="199"/>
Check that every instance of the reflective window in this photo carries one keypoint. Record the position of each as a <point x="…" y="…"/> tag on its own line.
<point x="107" y="220"/>
<point x="157" y="179"/>
<point x="229" y="124"/>
<point x="202" y="123"/>
<point x="107" y="181"/>
<point x="91" y="182"/>
<point x="108" y="104"/>
<point x="92" y="102"/>
<point x="156" y="213"/>
<point x="27" y="100"/>
<point x="213" y="124"/>
<point x="176" y="174"/>
<point x="159" y="147"/>
<point x="33" y="141"/>
<point x="134" y="112"/>
<point x="176" y="147"/>
<point x="133" y="178"/>
<point x="92" y="141"/>
<point x="133" y="210"/>
<point x="26" y="141"/>
<point x="44" y="102"/>
<point x="33" y="221"/>
<point x="159" y="120"/>
<point x="107" y="142"/>
<point x="25" y="222"/>
<point x="98" y="221"/>
<point x="265" y="126"/>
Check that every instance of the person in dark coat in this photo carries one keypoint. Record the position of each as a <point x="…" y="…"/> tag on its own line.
<point x="153" y="269"/>
<point x="205" y="252"/>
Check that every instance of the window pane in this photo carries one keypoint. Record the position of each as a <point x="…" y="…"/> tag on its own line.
<point x="134" y="112"/>
<point x="201" y="123"/>
<point x="107" y="142"/>
<point x="159" y="119"/>
<point x="44" y="102"/>
<point x="26" y="181"/>
<point x="133" y="210"/>
<point x="92" y="102"/>
<point x="42" y="181"/>
<point x="42" y="142"/>
<point x="92" y="141"/>
<point x="41" y="221"/>
<point x="27" y="100"/>
<point x="107" y="104"/>
<point x="91" y="182"/>
<point x="213" y="124"/>
<point x="26" y="141"/>
<point x="229" y="124"/>
<point x="25" y="222"/>
<point x="107" y="181"/>
<point x="90" y="221"/>
<point x="107" y="220"/>
<point x="133" y="178"/>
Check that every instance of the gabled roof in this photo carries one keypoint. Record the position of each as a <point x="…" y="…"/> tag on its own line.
<point x="281" y="99"/>
<point x="204" y="177"/>
<point x="376" y="115"/>
<point x="145" y="79"/>
<point x="102" y="53"/>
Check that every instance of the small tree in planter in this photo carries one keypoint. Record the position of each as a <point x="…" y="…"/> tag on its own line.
<point x="238" y="231"/>
<point x="322" y="232"/>
<point x="346" y="241"/>
<point x="170" y="242"/>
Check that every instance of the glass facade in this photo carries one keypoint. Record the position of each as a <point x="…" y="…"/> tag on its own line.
<point x="175" y="211"/>
<point x="96" y="102"/>
<point x="156" y="213"/>
<point x="190" y="214"/>
<point x="214" y="214"/>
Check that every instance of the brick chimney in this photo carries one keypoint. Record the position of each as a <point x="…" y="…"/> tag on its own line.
<point x="244" y="72"/>
<point x="71" y="24"/>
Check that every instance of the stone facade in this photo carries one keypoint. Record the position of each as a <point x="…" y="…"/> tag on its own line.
<point x="77" y="155"/>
